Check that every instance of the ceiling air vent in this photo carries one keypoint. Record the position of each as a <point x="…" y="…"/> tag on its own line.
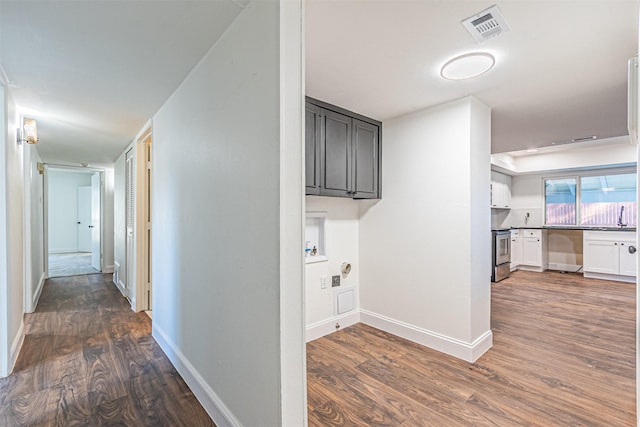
<point x="487" y="24"/>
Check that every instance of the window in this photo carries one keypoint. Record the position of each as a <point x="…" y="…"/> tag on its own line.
<point x="608" y="200"/>
<point x="603" y="200"/>
<point x="560" y="201"/>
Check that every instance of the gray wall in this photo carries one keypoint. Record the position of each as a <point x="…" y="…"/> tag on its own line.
<point x="217" y="225"/>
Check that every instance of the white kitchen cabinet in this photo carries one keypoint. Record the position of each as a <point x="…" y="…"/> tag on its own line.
<point x="500" y="190"/>
<point x="534" y="250"/>
<point x="610" y="255"/>
<point x="516" y="249"/>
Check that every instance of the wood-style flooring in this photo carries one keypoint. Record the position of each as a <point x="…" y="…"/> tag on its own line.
<point x="563" y="355"/>
<point x="88" y="360"/>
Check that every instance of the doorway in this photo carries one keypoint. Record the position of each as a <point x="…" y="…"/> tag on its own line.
<point x="73" y="221"/>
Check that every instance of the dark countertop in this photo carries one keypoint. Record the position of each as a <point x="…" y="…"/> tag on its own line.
<point x="575" y="228"/>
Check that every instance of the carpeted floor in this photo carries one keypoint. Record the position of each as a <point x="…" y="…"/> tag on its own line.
<point x="71" y="264"/>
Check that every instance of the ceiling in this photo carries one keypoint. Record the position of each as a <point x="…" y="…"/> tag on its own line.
<point x="97" y="72"/>
<point x="92" y="73"/>
<point x="561" y="71"/>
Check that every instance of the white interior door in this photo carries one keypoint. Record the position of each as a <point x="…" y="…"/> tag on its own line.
<point x="95" y="222"/>
<point x="84" y="218"/>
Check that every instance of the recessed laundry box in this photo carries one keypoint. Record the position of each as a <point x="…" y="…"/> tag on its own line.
<point x="345" y="300"/>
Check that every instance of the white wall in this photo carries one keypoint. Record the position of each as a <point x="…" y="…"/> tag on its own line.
<point x="11" y="238"/>
<point x="527" y="196"/>
<point x="63" y="208"/>
<point x="34" y="228"/>
<point x="107" y="220"/>
<point x="219" y="187"/>
<point x="342" y="246"/>
<point x="424" y="255"/>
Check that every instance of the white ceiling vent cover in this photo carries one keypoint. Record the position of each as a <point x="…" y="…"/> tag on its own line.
<point x="487" y="24"/>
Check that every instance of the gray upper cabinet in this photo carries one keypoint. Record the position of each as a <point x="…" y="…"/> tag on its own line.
<point x="312" y="149"/>
<point x="342" y="152"/>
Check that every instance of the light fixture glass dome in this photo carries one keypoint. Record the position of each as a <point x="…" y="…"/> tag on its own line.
<point x="467" y="66"/>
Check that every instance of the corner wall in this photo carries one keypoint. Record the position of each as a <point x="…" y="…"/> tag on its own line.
<point x="220" y="306"/>
<point x="342" y="246"/>
<point x="34" y="228"/>
<point x="424" y="248"/>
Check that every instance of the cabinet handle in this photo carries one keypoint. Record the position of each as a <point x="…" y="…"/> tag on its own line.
<point x="632" y="249"/>
<point x="616" y="244"/>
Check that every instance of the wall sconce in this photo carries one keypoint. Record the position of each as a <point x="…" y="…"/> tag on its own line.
<point x="29" y="132"/>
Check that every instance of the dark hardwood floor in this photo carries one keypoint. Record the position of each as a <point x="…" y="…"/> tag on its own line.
<point x="88" y="360"/>
<point x="563" y="355"/>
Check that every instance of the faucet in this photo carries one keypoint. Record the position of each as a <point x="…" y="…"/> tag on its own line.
<point x="620" y="223"/>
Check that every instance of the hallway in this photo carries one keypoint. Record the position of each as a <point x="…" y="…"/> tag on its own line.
<point x="87" y="359"/>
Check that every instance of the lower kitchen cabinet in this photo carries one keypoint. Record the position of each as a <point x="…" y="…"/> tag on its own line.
<point x="516" y="249"/>
<point x="610" y="255"/>
<point x="534" y="249"/>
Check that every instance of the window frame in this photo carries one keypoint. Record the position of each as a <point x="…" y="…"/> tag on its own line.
<point x="577" y="176"/>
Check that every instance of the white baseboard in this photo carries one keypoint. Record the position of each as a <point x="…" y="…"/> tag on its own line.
<point x="16" y="346"/>
<point x="120" y="286"/>
<point x="108" y="269"/>
<point x="63" y="251"/>
<point x="325" y="327"/>
<point x="454" y="347"/>
<point x="614" y="277"/>
<point x="573" y="268"/>
<point x="530" y="268"/>
<point x="36" y="294"/>
<point x="208" y="398"/>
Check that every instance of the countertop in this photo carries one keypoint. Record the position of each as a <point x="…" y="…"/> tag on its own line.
<point x="571" y="228"/>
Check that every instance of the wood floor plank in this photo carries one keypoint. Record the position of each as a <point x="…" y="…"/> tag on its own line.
<point x="563" y="354"/>
<point x="89" y="360"/>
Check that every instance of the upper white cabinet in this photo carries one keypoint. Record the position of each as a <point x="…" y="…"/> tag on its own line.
<point x="500" y="190"/>
<point x="610" y="255"/>
<point x="534" y="249"/>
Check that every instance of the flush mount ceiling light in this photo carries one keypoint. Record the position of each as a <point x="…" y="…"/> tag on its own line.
<point x="467" y="66"/>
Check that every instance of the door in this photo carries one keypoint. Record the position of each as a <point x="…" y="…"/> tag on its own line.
<point x="96" y="253"/>
<point x="516" y="250"/>
<point x="532" y="252"/>
<point x="336" y="165"/>
<point x="601" y="256"/>
<point x="312" y="149"/>
<point x="366" y="146"/>
<point x="129" y="272"/>
<point x="84" y="218"/>
<point x="628" y="258"/>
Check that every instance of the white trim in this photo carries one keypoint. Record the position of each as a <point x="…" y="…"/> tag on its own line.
<point x="65" y="251"/>
<point x="120" y="286"/>
<point x="614" y="277"/>
<point x="208" y="398"/>
<point x="36" y="294"/>
<point x="108" y="269"/>
<point x="454" y="347"/>
<point x="531" y="268"/>
<point x="16" y="346"/>
<point x="572" y="268"/>
<point x="328" y="326"/>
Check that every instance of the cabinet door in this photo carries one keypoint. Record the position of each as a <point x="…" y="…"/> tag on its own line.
<point x="365" y="150"/>
<point x="628" y="260"/>
<point x="601" y="256"/>
<point x="532" y="252"/>
<point x="336" y="162"/>
<point x="516" y="251"/>
<point x="312" y="149"/>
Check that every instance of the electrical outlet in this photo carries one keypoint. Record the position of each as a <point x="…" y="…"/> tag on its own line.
<point x="323" y="282"/>
<point x="335" y="281"/>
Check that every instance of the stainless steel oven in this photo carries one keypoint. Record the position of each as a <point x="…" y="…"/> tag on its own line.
<point x="500" y="254"/>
